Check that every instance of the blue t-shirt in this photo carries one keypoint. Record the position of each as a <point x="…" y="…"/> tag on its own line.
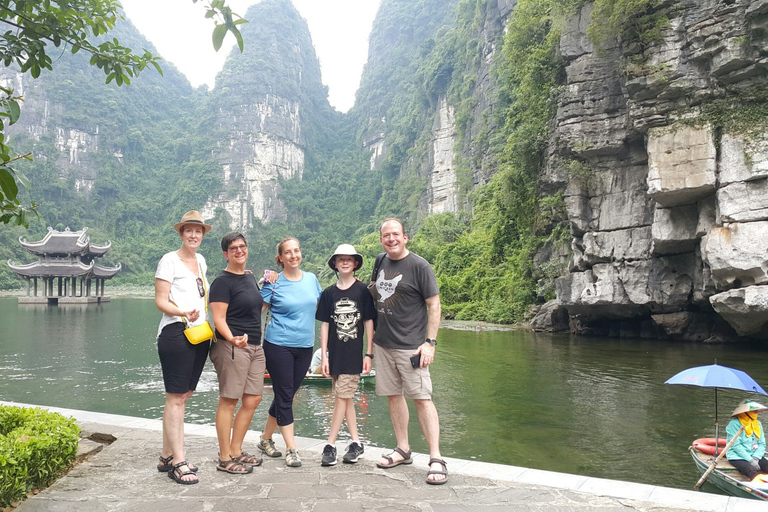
<point x="293" y="305"/>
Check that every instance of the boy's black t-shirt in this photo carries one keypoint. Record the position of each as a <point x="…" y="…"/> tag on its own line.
<point x="345" y="311"/>
<point x="243" y="297"/>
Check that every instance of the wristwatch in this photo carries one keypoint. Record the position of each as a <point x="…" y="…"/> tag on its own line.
<point x="369" y="355"/>
<point x="432" y="341"/>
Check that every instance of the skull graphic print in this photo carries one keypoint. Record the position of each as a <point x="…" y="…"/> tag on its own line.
<point x="346" y="316"/>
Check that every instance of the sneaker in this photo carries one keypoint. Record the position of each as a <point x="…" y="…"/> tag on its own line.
<point x="268" y="447"/>
<point x="292" y="459"/>
<point x="354" y="452"/>
<point x="329" y="456"/>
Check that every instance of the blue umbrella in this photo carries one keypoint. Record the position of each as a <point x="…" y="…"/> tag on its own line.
<point x="716" y="376"/>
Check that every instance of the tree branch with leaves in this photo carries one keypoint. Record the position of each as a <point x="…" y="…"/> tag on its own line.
<point x="34" y="27"/>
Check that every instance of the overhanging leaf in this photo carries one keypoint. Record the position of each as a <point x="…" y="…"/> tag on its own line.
<point x="218" y="36"/>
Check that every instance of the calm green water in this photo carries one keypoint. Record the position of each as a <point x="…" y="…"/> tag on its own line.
<point x="595" y="407"/>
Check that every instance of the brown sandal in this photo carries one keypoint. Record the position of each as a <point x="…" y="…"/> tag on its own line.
<point x="391" y="463"/>
<point x="433" y="472"/>
<point x="248" y="459"/>
<point x="233" y="467"/>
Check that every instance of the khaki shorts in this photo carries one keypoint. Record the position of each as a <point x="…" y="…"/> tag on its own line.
<point x="240" y="371"/>
<point x="396" y="376"/>
<point x="345" y="385"/>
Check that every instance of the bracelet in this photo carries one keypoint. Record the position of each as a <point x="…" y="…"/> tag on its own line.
<point x="369" y="355"/>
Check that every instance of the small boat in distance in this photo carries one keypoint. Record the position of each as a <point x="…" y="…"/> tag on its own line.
<point x="318" y="378"/>
<point x="725" y="477"/>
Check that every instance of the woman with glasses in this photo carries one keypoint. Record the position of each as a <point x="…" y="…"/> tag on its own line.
<point x="236" y="306"/>
<point x="181" y="291"/>
<point x="288" y="343"/>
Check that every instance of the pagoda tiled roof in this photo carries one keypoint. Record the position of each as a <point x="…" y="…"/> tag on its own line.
<point x="106" y="272"/>
<point x="64" y="268"/>
<point x="52" y="268"/>
<point x="65" y="243"/>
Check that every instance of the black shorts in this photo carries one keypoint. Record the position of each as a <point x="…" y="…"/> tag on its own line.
<point x="181" y="361"/>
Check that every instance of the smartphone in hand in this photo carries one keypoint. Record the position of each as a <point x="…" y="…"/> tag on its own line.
<point x="416" y="360"/>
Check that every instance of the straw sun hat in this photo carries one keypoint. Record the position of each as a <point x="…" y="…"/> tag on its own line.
<point x="749" y="406"/>
<point x="192" y="217"/>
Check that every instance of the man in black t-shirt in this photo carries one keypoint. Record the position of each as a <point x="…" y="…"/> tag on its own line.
<point x="408" y="306"/>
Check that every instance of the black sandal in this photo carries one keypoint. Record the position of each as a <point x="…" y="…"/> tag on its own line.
<point x="177" y="475"/>
<point x="166" y="465"/>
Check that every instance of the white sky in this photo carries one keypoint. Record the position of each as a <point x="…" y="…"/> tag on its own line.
<point x="182" y="35"/>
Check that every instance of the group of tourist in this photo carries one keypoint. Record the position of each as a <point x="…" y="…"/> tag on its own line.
<point x="403" y="300"/>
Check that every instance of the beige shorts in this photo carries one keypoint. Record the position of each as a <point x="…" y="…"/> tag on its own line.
<point x="345" y="385"/>
<point x="396" y="376"/>
<point x="240" y="370"/>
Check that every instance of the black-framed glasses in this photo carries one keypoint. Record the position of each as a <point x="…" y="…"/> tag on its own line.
<point x="200" y="287"/>
<point x="235" y="248"/>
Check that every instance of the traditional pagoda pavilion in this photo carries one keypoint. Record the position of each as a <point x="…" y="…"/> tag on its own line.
<point x="66" y="269"/>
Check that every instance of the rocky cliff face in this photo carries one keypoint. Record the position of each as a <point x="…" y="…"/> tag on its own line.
<point x="262" y="145"/>
<point x="442" y="187"/>
<point x="264" y="99"/>
<point x="669" y="215"/>
<point x="42" y="121"/>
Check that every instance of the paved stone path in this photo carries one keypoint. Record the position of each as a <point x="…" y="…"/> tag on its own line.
<point x="122" y="478"/>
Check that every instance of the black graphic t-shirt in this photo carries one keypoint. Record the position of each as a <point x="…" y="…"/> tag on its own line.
<point x="345" y="311"/>
<point x="402" y="288"/>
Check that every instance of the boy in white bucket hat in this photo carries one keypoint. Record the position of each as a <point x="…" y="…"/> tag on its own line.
<point x="346" y="311"/>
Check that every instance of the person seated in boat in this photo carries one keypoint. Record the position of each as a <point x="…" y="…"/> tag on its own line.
<point x="747" y="454"/>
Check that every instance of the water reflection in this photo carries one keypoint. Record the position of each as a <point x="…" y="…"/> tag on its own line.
<point x="589" y="406"/>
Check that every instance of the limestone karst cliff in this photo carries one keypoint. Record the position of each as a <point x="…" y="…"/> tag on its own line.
<point x="268" y="101"/>
<point x="670" y="226"/>
<point x="654" y="162"/>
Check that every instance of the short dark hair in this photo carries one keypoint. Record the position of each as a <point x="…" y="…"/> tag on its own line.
<point x="230" y="237"/>
<point x="393" y="219"/>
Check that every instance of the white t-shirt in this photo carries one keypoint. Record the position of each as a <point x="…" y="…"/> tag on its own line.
<point x="184" y="292"/>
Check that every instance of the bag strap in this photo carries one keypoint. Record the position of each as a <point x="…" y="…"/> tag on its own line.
<point x="376" y="265"/>
<point x="205" y="296"/>
<point x="205" y="290"/>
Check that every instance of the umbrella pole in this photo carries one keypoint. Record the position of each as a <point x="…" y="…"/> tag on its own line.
<point x="717" y="425"/>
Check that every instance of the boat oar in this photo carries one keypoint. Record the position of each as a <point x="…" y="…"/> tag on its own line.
<point x="714" y="464"/>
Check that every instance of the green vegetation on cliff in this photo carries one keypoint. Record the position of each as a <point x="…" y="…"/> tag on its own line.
<point x="485" y="263"/>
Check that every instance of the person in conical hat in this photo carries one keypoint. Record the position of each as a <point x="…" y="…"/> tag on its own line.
<point x="747" y="454"/>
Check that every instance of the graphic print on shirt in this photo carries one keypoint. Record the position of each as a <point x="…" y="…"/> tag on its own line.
<point x="386" y="287"/>
<point x="345" y="316"/>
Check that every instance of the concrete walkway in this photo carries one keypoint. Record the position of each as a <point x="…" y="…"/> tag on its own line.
<point x="122" y="477"/>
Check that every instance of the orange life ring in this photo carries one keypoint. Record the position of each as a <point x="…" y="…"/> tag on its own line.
<point x="707" y="444"/>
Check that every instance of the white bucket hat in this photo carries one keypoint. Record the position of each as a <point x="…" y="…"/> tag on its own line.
<point x="345" y="250"/>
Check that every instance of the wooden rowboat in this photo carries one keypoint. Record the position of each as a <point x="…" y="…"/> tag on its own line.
<point x="725" y="477"/>
<point x="317" y="378"/>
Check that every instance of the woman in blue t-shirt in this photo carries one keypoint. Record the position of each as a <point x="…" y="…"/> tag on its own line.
<point x="288" y="343"/>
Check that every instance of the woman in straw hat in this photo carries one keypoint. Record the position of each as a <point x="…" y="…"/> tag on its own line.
<point x="748" y="451"/>
<point x="181" y="292"/>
